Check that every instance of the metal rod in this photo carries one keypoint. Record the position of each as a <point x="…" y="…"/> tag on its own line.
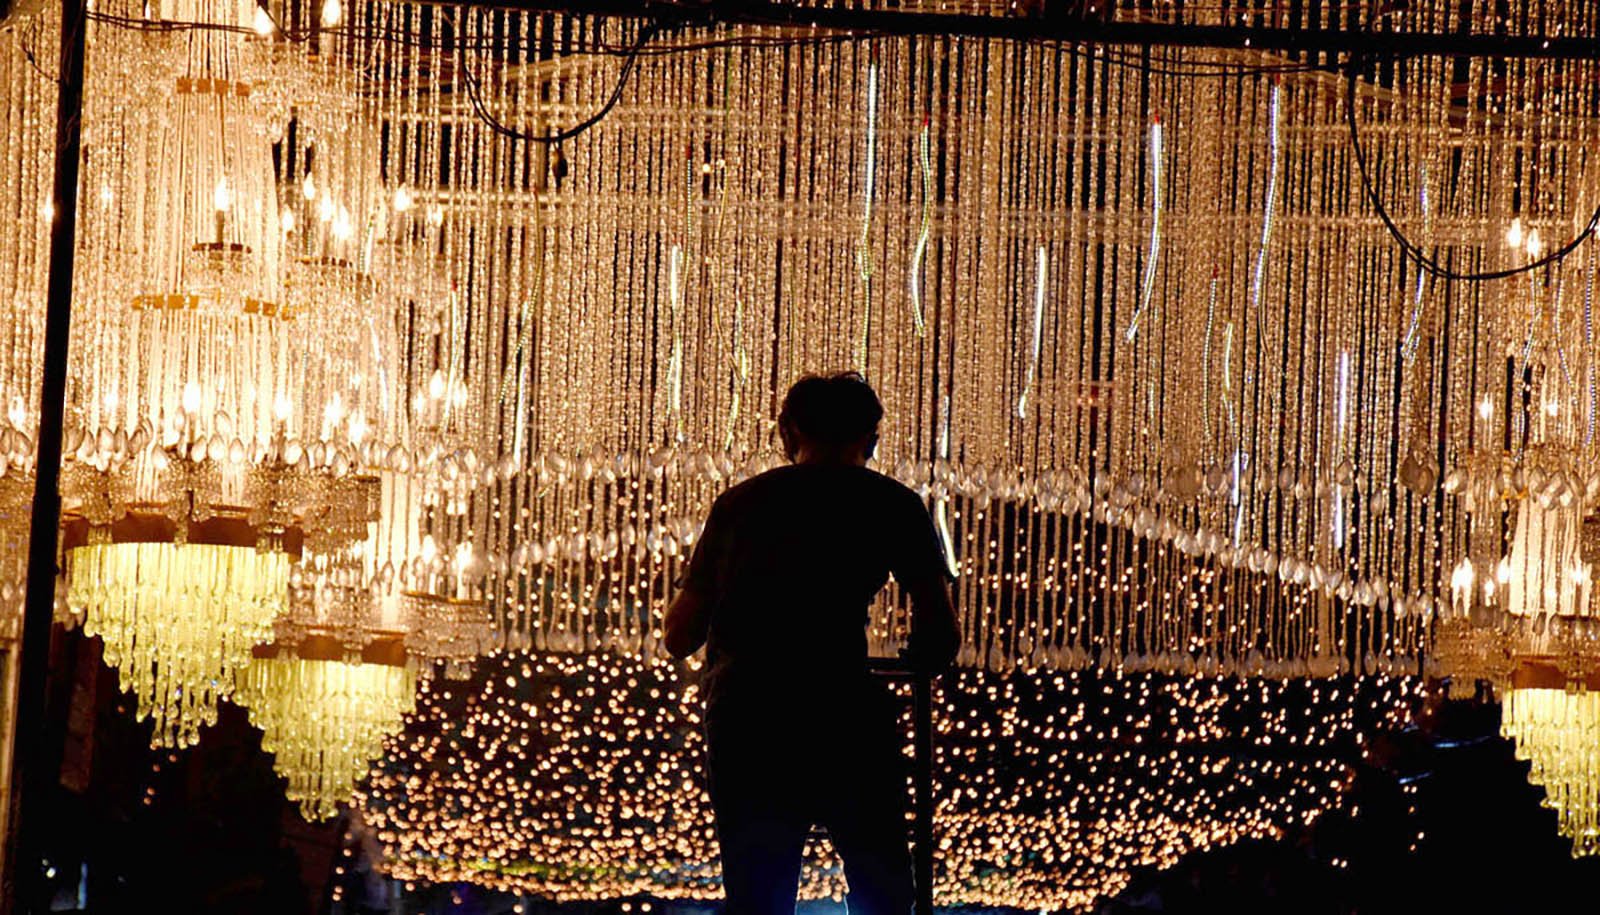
<point x="32" y="778"/>
<point x="1368" y="40"/>
<point x="922" y="790"/>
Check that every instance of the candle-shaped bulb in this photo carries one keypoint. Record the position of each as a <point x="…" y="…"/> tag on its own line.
<point x="191" y="397"/>
<point x="263" y="23"/>
<point x="1514" y="234"/>
<point x="1535" y="243"/>
<point x="332" y="12"/>
<point x="221" y="196"/>
<point x="308" y="188"/>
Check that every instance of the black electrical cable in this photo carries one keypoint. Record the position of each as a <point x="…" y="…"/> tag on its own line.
<point x="1414" y="251"/>
<point x="473" y="95"/>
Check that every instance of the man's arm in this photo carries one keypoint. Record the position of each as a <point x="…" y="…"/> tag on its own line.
<point x="935" y="637"/>
<point x="923" y="573"/>
<point x="686" y="623"/>
<point x="689" y="616"/>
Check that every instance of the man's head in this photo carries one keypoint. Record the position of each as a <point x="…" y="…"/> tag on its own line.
<point x="830" y="418"/>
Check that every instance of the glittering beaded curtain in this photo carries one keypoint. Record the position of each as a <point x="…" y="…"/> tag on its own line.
<point x="27" y="133"/>
<point x="1172" y="390"/>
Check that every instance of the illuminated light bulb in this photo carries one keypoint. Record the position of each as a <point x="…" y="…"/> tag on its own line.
<point x="221" y="196"/>
<point x="334" y="411"/>
<point x="308" y="188"/>
<point x="1502" y="572"/>
<point x="436" y="215"/>
<point x="191" y="397"/>
<point x="430" y="549"/>
<point x="358" y="428"/>
<point x="263" y="23"/>
<point x="106" y="196"/>
<point x="287" y="220"/>
<point x="1514" y="234"/>
<point x="326" y="209"/>
<point x="332" y="12"/>
<point x="1535" y="243"/>
<point x="1486" y="407"/>
<point x="18" y="414"/>
<point x="47" y="211"/>
<point x="402" y="200"/>
<point x="1552" y="407"/>
<point x="436" y="385"/>
<point x="280" y="408"/>
<point x="343" y="228"/>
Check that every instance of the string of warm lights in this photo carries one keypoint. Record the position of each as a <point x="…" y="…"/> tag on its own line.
<point x="582" y="778"/>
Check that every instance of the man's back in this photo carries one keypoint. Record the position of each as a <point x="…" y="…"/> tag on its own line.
<point x="793" y="558"/>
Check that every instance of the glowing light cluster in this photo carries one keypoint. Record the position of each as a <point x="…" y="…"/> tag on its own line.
<point x="581" y="778"/>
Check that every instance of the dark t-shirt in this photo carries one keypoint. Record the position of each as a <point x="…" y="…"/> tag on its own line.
<point x="789" y="562"/>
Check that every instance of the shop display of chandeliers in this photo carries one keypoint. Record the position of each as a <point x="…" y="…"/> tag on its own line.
<point x="356" y="360"/>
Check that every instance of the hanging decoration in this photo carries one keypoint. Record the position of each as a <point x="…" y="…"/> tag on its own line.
<point x="1558" y="732"/>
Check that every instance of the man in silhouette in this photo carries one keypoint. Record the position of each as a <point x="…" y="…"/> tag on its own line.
<point x="798" y="731"/>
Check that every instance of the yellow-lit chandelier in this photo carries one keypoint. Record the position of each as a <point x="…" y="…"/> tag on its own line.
<point x="1557" y="731"/>
<point x="324" y="718"/>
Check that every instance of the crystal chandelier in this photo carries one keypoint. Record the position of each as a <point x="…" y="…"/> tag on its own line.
<point x="177" y="620"/>
<point x="1558" y="732"/>
<point x="324" y="719"/>
<point x="247" y="371"/>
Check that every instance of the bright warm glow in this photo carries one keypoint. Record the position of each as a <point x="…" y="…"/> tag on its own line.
<point x="1514" y="234"/>
<point x="221" y="196"/>
<point x="191" y="397"/>
<point x="286" y="220"/>
<point x="343" y="229"/>
<point x="308" y="188"/>
<point x="332" y="12"/>
<point x="263" y="23"/>
<point x="1535" y="244"/>
<point x="1461" y="578"/>
<point x="402" y="200"/>
<point x="1486" y="407"/>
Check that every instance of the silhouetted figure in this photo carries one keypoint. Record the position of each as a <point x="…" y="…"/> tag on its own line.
<point x="799" y="732"/>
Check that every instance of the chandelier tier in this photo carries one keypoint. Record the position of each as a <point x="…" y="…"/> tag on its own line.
<point x="177" y="620"/>
<point x="1557" y="731"/>
<point x="324" y="717"/>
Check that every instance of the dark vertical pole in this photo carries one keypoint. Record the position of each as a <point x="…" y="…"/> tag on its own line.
<point x="922" y="786"/>
<point x="31" y="778"/>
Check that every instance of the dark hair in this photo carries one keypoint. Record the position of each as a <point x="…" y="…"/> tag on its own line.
<point x="830" y="411"/>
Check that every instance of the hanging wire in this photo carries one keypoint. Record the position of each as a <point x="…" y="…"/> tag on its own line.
<point x="1413" y="250"/>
